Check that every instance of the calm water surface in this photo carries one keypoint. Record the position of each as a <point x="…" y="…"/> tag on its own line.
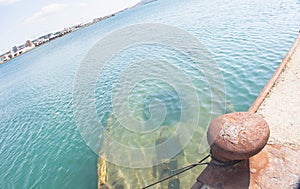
<point x="40" y="145"/>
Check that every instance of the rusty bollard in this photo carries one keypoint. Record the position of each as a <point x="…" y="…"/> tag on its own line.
<point x="233" y="139"/>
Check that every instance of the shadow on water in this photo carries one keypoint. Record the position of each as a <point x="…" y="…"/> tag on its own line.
<point x="167" y="168"/>
<point x="239" y="176"/>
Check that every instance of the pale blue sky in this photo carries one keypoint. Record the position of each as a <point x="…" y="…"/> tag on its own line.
<point x="28" y="19"/>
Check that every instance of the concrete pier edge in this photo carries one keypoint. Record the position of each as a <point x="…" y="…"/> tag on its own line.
<point x="263" y="94"/>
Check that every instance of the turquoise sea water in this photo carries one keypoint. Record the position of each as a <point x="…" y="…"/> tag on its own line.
<point x="40" y="145"/>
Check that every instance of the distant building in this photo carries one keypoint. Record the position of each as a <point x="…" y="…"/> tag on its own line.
<point x="58" y="34"/>
<point x="2" y="59"/>
<point x="96" y="20"/>
<point x="10" y="54"/>
<point x="52" y="36"/>
<point x="15" y="49"/>
<point x="29" y="43"/>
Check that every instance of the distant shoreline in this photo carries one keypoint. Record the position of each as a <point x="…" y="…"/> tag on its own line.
<point x="32" y="44"/>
